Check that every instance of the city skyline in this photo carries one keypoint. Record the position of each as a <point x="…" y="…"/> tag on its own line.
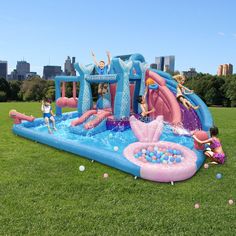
<point x="198" y="37"/>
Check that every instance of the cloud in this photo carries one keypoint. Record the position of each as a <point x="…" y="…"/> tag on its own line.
<point x="221" y="34"/>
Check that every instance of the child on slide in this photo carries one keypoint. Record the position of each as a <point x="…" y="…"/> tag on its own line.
<point x="181" y="89"/>
<point x="144" y="107"/>
<point x="48" y="115"/>
<point x="215" y="151"/>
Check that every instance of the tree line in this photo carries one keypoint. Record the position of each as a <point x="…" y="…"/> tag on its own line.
<point x="213" y="90"/>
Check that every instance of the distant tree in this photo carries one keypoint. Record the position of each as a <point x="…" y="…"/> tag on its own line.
<point x="33" y="89"/>
<point x="15" y="86"/>
<point x="230" y="90"/>
<point x="5" y="90"/>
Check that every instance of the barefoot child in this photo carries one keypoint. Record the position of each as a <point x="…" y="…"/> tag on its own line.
<point x="215" y="151"/>
<point x="181" y="89"/>
<point x="48" y="115"/>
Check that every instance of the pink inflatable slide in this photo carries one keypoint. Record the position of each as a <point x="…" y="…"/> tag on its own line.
<point x="18" y="117"/>
<point x="100" y="115"/>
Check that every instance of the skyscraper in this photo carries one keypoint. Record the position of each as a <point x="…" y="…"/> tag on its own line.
<point x="3" y="69"/>
<point x="69" y="66"/>
<point x="225" y="69"/>
<point x="166" y="63"/>
<point x="22" y="68"/>
<point x="49" y="72"/>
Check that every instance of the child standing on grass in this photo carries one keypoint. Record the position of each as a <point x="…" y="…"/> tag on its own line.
<point x="181" y="89"/>
<point x="48" y="115"/>
<point x="215" y="151"/>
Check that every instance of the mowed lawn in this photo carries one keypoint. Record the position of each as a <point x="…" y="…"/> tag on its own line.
<point x="42" y="191"/>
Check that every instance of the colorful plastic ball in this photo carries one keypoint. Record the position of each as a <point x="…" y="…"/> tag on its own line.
<point x="136" y="156"/>
<point x="139" y="153"/>
<point x="158" y="161"/>
<point x="178" y="160"/>
<point x="81" y="168"/>
<point x="151" y="154"/>
<point x="147" y="152"/>
<point x="150" y="148"/>
<point x="166" y="158"/>
<point x="143" y="150"/>
<point x="154" y="157"/>
<point x="172" y="159"/>
<point x="206" y="166"/>
<point x="231" y="201"/>
<point x="197" y="205"/>
<point x="156" y="148"/>
<point x="105" y="175"/>
<point x="218" y="175"/>
<point x="116" y="148"/>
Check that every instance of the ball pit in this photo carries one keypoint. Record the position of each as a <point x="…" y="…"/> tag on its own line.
<point x="157" y="155"/>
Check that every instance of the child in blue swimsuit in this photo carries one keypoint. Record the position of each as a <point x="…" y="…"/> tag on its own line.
<point x="102" y="69"/>
<point x="48" y="115"/>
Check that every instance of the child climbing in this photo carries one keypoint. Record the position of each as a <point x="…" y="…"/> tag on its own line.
<point x="102" y="69"/>
<point x="215" y="151"/>
<point x="181" y="89"/>
<point x="48" y="115"/>
<point x="144" y="107"/>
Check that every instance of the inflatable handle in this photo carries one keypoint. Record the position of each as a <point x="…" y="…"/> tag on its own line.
<point x="153" y="86"/>
<point x="18" y="117"/>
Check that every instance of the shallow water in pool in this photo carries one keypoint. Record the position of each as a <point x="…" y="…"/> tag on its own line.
<point x="110" y="139"/>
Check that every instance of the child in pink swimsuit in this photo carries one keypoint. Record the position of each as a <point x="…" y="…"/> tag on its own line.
<point x="215" y="151"/>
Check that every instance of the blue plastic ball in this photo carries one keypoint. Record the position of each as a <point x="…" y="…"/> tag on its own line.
<point x="136" y="156"/>
<point x="151" y="154"/>
<point x="172" y="159"/>
<point x="218" y="175"/>
<point x="178" y="160"/>
<point x="139" y="153"/>
<point x="166" y="158"/>
<point x="158" y="161"/>
<point x="147" y="152"/>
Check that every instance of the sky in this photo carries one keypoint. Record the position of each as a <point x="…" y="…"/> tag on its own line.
<point x="200" y="33"/>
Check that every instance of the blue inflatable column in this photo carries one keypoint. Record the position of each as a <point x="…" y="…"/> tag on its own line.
<point x="58" y="95"/>
<point x="122" y="97"/>
<point x="85" y="100"/>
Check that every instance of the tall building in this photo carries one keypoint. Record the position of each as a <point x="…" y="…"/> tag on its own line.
<point x="3" y="69"/>
<point x="22" y="68"/>
<point x="49" y="72"/>
<point x="190" y="73"/>
<point x="225" y="69"/>
<point x="166" y="63"/>
<point x="69" y="66"/>
<point x="230" y="69"/>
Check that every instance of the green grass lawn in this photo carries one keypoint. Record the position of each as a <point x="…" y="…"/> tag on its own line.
<point x="42" y="191"/>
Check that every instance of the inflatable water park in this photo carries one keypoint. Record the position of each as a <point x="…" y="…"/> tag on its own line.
<point x="110" y="130"/>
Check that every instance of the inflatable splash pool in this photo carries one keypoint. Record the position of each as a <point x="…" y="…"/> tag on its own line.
<point x="161" y="150"/>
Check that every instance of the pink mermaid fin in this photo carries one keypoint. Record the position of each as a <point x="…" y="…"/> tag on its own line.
<point x="147" y="132"/>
